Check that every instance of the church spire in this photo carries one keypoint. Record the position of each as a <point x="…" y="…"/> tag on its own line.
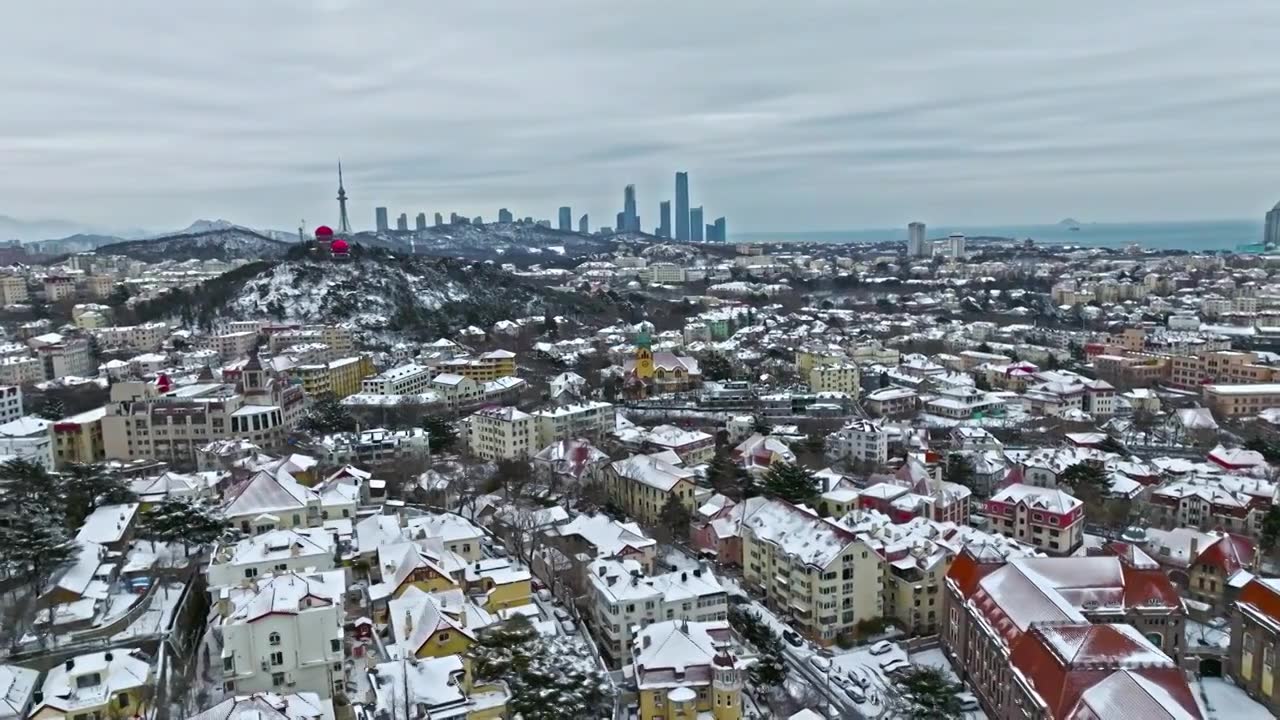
<point x="344" y="224"/>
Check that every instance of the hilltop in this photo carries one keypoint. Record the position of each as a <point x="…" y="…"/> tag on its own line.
<point x="230" y="242"/>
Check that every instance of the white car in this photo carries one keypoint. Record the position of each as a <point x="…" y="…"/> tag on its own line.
<point x="823" y="664"/>
<point x="968" y="702"/>
<point x="882" y="647"/>
<point x="894" y="666"/>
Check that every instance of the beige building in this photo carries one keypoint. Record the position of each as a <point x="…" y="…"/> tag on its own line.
<point x="233" y="346"/>
<point x="1220" y="366"/>
<point x="78" y="439"/>
<point x="642" y="484"/>
<point x="840" y="377"/>
<point x="1048" y="519"/>
<point x="1230" y="401"/>
<point x="99" y="286"/>
<point x="13" y="290"/>
<point x="411" y="379"/>
<point x="21" y="370"/>
<point x="59" y="287"/>
<point x="501" y="433"/>
<point x="69" y="358"/>
<point x="484" y="368"/>
<point x="811" y="569"/>
<point x="146" y="337"/>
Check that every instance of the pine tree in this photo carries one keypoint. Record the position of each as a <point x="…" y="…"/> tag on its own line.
<point x="52" y="409"/>
<point x="87" y="487"/>
<point x="440" y="434"/>
<point x="33" y="522"/>
<point x="328" y="416"/>
<point x="924" y="691"/>
<point x="959" y="470"/>
<point x="674" y="518"/>
<point x="793" y="483"/>
<point x="715" y="366"/>
<point x="191" y="523"/>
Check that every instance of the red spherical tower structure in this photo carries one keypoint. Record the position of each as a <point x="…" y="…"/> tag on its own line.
<point x="324" y="239"/>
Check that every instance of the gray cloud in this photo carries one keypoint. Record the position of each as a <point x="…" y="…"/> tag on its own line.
<point x="787" y="115"/>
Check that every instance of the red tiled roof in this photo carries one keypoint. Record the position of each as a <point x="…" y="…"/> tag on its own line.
<point x="1229" y="554"/>
<point x="966" y="571"/>
<point x="1263" y="598"/>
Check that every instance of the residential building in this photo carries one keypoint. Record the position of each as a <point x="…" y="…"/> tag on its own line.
<point x="17" y="691"/>
<point x="860" y="441"/>
<point x="916" y="243"/>
<point x="892" y="401"/>
<point x="68" y="358"/>
<point x="10" y="403"/>
<point x="79" y="439"/>
<point x="642" y="484"/>
<point x="483" y="368"/>
<point x="441" y="687"/>
<point x="58" y="288"/>
<point x="811" y="568"/>
<point x="1049" y="659"/>
<point x="233" y="345"/>
<point x="624" y="599"/>
<point x="682" y="207"/>
<point x="1231" y="401"/>
<point x="692" y="447"/>
<point x="28" y="438"/>
<point x="337" y="378"/>
<point x="146" y="337"/>
<point x="277" y="551"/>
<point x="373" y="447"/>
<point x="1254" y="655"/>
<point x="109" y="683"/>
<point x="269" y="706"/>
<point x="687" y="670"/>
<point x="19" y="370"/>
<point x="1047" y="519"/>
<point x="1210" y="567"/>
<point x="411" y="379"/>
<point x="13" y="290"/>
<point x="501" y="433"/>
<point x="650" y="373"/>
<point x="284" y="633"/>
<point x="591" y="419"/>
<point x="838" y="377"/>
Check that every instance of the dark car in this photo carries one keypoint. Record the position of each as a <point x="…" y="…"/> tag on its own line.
<point x="792" y="637"/>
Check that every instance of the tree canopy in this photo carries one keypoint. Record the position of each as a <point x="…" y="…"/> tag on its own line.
<point x="326" y="416"/>
<point x="793" y="483"/>
<point x="924" y="691"/>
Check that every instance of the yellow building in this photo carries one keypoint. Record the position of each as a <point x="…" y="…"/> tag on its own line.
<point x="424" y="629"/>
<point x="641" y="484"/>
<point x="807" y="360"/>
<point x="105" y="684"/>
<point x="502" y="584"/>
<point x="339" y="378"/>
<point x="78" y="439"/>
<point x="686" y="671"/>
<point x="835" y="377"/>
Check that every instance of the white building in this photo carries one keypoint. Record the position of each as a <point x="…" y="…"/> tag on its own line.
<point x="625" y="599"/>
<point x="284" y="633"/>
<point x="370" y="447"/>
<point x="28" y="438"/>
<point x="411" y="379"/>
<point x="501" y="433"/>
<point x="955" y="246"/>
<point x="270" y="706"/>
<point x="276" y="551"/>
<point x="592" y="419"/>
<point x="10" y="403"/>
<point x="16" y="370"/>
<point x="861" y="441"/>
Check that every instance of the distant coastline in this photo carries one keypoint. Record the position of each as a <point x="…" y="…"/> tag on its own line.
<point x="1234" y="235"/>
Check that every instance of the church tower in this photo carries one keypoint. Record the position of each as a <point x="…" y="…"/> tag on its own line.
<point x="644" y="357"/>
<point x="726" y="686"/>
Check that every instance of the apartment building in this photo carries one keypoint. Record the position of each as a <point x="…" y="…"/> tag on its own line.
<point x="1047" y="519"/>
<point x="1231" y="401"/>
<point x="591" y="419"/>
<point x="1131" y="369"/>
<point x="337" y="378"/>
<point x="104" y="684"/>
<point x="860" y="441"/>
<point x="1254" y="654"/>
<point x="338" y="338"/>
<point x="145" y="337"/>
<point x="233" y="345"/>
<point x="79" y="439"/>
<point x="277" y="551"/>
<point x="810" y="569"/>
<point x="1235" y="503"/>
<point x="686" y="670"/>
<point x="693" y="447"/>
<point x="68" y="358"/>
<point x="373" y="447"/>
<point x="30" y="439"/>
<point x="411" y="379"/>
<point x="10" y="403"/>
<point x="624" y="599"/>
<point x="1218" y="366"/>
<point x="1108" y="631"/>
<point x="13" y="290"/>
<point x="890" y="401"/>
<point x="501" y="433"/>
<point x="642" y="484"/>
<point x="59" y="287"/>
<point x="484" y="368"/>
<point x="840" y="377"/>
<point x="283" y="633"/>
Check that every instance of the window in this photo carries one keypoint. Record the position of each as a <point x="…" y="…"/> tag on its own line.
<point x="277" y="679"/>
<point x="277" y="658"/>
<point x="124" y="700"/>
<point x="274" y="638"/>
<point x="88" y="680"/>
<point x="229" y="663"/>
<point x="335" y="645"/>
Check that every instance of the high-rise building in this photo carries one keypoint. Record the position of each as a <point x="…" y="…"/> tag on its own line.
<point x="664" y="219"/>
<point x="583" y="227"/>
<point x="504" y="215"/>
<point x="916" y="246"/>
<point x="439" y="219"/>
<point x="1271" y="235"/>
<point x="620" y="222"/>
<point x="695" y="224"/>
<point x="477" y="220"/>
<point x="455" y="218"/>
<point x="721" y="232"/>
<point x="629" y="213"/>
<point x="566" y="219"/>
<point x="380" y="219"/>
<point x="955" y="246"/>
<point x="402" y="223"/>
<point x="420" y="222"/>
<point x="682" y="206"/>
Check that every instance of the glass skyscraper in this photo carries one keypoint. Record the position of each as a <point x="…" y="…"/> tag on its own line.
<point x="682" y="207"/>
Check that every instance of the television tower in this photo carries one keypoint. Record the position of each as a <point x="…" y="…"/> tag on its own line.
<point x="344" y="224"/>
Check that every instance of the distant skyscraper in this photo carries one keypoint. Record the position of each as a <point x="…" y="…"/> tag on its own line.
<point x="477" y="220"/>
<point x="439" y="219"/>
<point x="664" y="219"/>
<point x="695" y="224"/>
<point x="455" y="218"/>
<point x="721" y="234"/>
<point x="1271" y="235"/>
<point x="504" y="215"/>
<point x="344" y="224"/>
<point x="402" y="223"/>
<point x="916" y="246"/>
<point x="566" y="219"/>
<point x="420" y="222"/>
<point x="620" y="224"/>
<point x="583" y="226"/>
<point x="629" y="214"/>
<point x="682" y="206"/>
<point x="955" y="246"/>
<point x="380" y="219"/>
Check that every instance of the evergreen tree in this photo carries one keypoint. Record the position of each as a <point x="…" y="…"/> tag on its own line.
<point x="1269" y="538"/>
<point x="769" y="670"/>
<point x="34" y="536"/>
<point x="52" y="409"/>
<point x="550" y="327"/>
<point x="924" y="691"/>
<point x="88" y="487"/>
<point x="328" y="416"/>
<point x="191" y="523"/>
<point x="1111" y="445"/>
<point x="440" y="433"/>
<point x="959" y="470"/>
<point x="793" y="483"/>
<point x="674" y="518"/>
<point x="715" y="366"/>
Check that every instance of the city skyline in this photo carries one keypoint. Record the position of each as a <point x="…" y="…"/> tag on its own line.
<point x="827" y="128"/>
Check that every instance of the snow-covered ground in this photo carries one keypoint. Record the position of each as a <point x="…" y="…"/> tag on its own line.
<point x="1220" y="700"/>
<point x="156" y="617"/>
<point x="1201" y="635"/>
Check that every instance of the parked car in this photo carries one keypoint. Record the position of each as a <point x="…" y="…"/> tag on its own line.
<point x="896" y="665"/>
<point x="968" y="702"/>
<point x="561" y="614"/>
<point x="823" y="664"/>
<point x="568" y="627"/>
<point x="544" y="595"/>
<point x="855" y="693"/>
<point x="792" y="637"/>
<point x="882" y="647"/>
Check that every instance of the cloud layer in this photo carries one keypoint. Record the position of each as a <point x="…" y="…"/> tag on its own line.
<point x="787" y="115"/>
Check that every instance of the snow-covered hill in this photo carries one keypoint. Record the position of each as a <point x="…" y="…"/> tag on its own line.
<point x="220" y="243"/>
<point x="492" y="240"/>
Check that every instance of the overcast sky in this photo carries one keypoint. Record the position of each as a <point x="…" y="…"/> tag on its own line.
<point x="823" y="115"/>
